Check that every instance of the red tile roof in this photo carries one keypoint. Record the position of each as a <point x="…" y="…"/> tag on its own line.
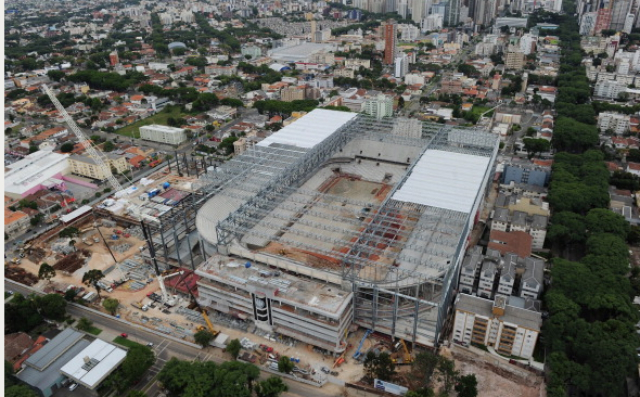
<point x="519" y="243"/>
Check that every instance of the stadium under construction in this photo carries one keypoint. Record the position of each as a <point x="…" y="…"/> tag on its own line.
<point x="339" y="220"/>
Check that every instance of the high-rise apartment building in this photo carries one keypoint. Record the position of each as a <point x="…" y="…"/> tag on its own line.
<point x="390" y="42"/>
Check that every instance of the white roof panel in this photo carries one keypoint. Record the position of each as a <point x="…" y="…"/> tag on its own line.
<point x="310" y="129"/>
<point x="105" y="358"/>
<point x="445" y="180"/>
<point x="73" y="215"/>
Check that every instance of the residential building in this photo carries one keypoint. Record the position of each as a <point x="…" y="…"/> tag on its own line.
<point x="401" y="65"/>
<point x="15" y="223"/>
<point x="87" y="166"/>
<point x="507" y="277"/>
<point x="488" y="276"/>
<point x="220" y="70"/>
<point x="432" y="22"/>
<point x="408" y="32"/>
<point x="163" y="134"/>
<point x="357" y="63"/>
<point x="531" y="282"/>
<point x="378" y="107"/>
<point x="504" y="324"/>
<point x="113" y="58"/>
<point x="240" y="146"/>
<point x="470" y="269"/>
<point x="390" y="42"/>
<point x="517" y="242"/>
<point x="514" y="58"/>
<point x="526" y="174"/>
<point x="617" y="123"/>
<point x="292" y="94"/>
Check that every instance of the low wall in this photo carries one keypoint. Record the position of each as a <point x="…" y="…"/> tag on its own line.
<point x="72" y="179"/>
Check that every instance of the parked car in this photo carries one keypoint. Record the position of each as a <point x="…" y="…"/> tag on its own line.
<point x="124" y="335"/>
<point x="73" y="386"/>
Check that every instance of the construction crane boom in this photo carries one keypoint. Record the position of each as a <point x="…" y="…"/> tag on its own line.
<point x="99" y="157"/>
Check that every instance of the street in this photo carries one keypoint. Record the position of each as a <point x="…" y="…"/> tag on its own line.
<point x="165" y="349"/>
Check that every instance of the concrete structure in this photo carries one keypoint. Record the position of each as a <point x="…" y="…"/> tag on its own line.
<point x="37" y="171"/>
<point x="298" y="52"/>
<point x="504" y="324"/>
<point x="94" y="363"/>
<point x="390" y="42"/>
<point x="86" y="166"/>
<point x="618" y="123"/>
<point x="534" y="225"/>
<point x="42" y="369"/>
<point x="337" y="220"/>
<point x="163" y="134"/>
<point x="379" y="107"/>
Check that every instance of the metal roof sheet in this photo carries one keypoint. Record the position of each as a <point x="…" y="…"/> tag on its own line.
<point x="445" y="180"/>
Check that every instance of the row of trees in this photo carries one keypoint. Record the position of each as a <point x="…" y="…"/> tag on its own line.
<point x="107" y="80"/>
<point x="285" y="108"/>
<point x="589" y="335"/>
<point x="229" y="379"/>
<point x="22" y="314"/>
<point x="139" y="359"/>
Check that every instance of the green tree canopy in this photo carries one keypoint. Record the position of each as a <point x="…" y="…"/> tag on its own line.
<point x="271" y="387"/>
<point x="46" y="272"/>
<point x="233" y="348"/>
<point x="285" y="365"/>
<point x="203" y="337"/>
<point x="111" y="304"/>
<point x="91" y="278"/>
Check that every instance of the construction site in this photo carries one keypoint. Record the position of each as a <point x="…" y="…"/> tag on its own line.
<point x="337" y="235"/>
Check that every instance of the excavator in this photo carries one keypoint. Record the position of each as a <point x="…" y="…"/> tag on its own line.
<point x="407" y="359"/>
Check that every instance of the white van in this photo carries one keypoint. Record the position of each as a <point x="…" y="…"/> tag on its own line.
<point x="73" y="386"/>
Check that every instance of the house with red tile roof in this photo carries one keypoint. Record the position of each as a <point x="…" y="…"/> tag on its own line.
<point x="518" y="242"/>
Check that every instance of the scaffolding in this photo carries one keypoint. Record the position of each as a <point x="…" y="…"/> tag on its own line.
<point x="400" y="259"/>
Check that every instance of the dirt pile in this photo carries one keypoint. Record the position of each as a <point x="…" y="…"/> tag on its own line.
<point x="20" y="275"/>
<point x="73" y="261"/>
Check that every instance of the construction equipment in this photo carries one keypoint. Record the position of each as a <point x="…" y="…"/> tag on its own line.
<point x="97" y="156"/>
<point x="203" y="312"/>
<point x="358" y="352"/>
<point x="167" y="299"/>
<point x="406" y="359"/>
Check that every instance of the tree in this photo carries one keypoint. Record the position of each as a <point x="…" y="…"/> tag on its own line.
<point x="108" y="146"/>
<point x="19" y="391"/>
<point x="380" y="366"/>
<point x="69" y="232"/>
<point x="21" y="315"/>
<point x="447" y="373"/>
<point x="203" y="337"/>
<point x="573" y="136"/>
<point x="423" y="367"/>
<point x="467" y="386"/>
<point x="139" y="360"/>
<point x="233" y="348"/>
<point x="67" y="147"/>
<point x="72" y="243"/>
<point x="536" y="146"/>
<point x="271" y="387"/>
<point x="111" y="304"/>
<point x="9" y="380"/>
<point x="84" y="324"/>
<point x="70" y="295"/>
<point x="601" y="220"/>
<point x="285" y="365"/>
<point x="92" y="277"/>
<point x="52" y="306"/>
<point x="46" y="272"/>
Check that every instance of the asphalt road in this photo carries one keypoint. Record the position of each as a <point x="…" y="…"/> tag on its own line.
<point x="165" y="349"/>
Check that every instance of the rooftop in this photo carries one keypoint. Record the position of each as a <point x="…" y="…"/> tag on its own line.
<point x="298" y="291"/>
<point x="33" y="170"/>
<point x="514" y="315"/>
<point x="94" y="363"/>
<point x="54" y="349"/>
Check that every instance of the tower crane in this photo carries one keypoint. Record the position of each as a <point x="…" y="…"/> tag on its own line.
<point x="97" y="156"/>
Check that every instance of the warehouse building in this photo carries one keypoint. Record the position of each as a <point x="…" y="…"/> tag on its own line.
<point x="163" y="134"/>
<point x="37" y="171"/>
<point x="342" y="220"/>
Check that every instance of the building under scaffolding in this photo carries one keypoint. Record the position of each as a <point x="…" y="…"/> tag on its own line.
<point x="377" y="213"/>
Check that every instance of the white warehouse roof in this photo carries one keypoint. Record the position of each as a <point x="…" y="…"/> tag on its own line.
<point x="75" y="214"/>
<point x="94" y="363"/>
<point x="311" y="129"/>
<point x="34" y="170"/>
<point x="445" y="180"/>
<point x="162" y="128"/>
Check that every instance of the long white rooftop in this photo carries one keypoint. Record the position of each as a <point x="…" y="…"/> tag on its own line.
<point x="310" y="130"/>
<point x="34" y="170"/>
<point x="444" y="179"/>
